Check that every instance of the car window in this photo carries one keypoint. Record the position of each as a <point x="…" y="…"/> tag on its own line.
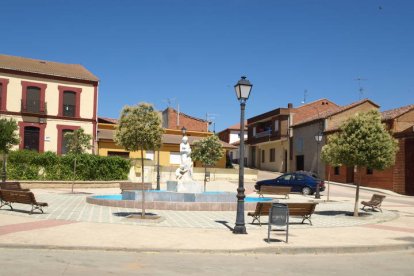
<point x="300" y="177"/>
<point x="287" y="177"/>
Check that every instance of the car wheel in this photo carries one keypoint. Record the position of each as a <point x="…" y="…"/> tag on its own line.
<point x="306" y="191"/>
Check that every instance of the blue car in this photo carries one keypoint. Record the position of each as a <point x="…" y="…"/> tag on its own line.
<point x="302" y="182"/>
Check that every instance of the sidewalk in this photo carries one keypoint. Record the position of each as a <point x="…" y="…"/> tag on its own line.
<point x="71" y="223"/>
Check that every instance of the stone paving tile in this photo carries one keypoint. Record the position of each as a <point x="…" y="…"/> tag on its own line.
<point x="73" y="207"/>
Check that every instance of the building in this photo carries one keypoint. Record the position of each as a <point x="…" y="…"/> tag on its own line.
<point x="269" y="134"/>
<point x="306" y="150"/>
<point x="231" y="136"/>
<point x="47" y="99"/>
<point x="399" y="177"/>
<point x="173" y="119"/>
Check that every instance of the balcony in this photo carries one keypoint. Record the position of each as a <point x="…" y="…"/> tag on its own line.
<point x="34" y="107"/>
<point x="265" y="133"/>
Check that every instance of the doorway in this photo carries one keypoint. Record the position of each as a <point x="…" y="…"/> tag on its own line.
<point x="300" y="162"/>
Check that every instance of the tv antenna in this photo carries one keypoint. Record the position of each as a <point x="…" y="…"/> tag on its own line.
<point x="305" y="95"/>
<point x="210" y="118"/>
<point x="360" y="89"/>
<point x="169" y="101"/>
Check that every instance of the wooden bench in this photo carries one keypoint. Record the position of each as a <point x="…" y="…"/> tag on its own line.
<point x="302" y="209"/>
<point x="15" y="186"/>
<point x="134" y="186"/>
<point x="24" y="197"/>
<point x="274" y="190"/>
<point x="374" y="203"/>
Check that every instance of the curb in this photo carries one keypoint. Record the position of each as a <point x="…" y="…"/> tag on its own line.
<point x="263" y="250"/>
<point x="383" y="191"/>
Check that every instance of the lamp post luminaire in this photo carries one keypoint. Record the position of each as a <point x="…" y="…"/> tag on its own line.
<point x="318" y="139"/>
<point x="242" y="88"/>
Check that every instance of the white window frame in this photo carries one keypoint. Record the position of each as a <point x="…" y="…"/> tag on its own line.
<point x="149" y="154"/>
<point x="175" y="158"/>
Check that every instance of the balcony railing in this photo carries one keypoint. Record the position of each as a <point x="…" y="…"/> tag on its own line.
<point x="265" y="133"/>
<point x="34" y="107"/>
<point x="69" y="110"/>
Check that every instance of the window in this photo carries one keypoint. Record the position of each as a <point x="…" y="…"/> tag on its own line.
<point x="33" y="97"/>
<point x="69" y="103"/>
<point x="370" y="171"/>
<point x="263" y="156"/>
<point x="122" y="154"/>
<point x="149" y="154"/>
<point x="64" y="145"/>
<point x="32" y="103"/>
<point x="300" y="177"/>
<point x="272" y="157"/>
<point x="336" y="170"/>
<point x="287" y="177"/>
<point x="31" y="138"/>
<point x="61" y="141"/>
<point x="175" y="158"/>
<point x="254" y="131"/>
<point x="3" y="93"/>
<point x="277" y="126"/>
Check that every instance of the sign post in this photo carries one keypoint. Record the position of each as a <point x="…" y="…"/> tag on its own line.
<point x="279" y="217"/>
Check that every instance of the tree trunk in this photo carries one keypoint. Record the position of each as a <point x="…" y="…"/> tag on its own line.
<point x="74" y="173"/>
<point x="357" y="195"/>
<point x="4" y="170"/>
<point x="205" y="175"/>
<point x="143" y="188"/>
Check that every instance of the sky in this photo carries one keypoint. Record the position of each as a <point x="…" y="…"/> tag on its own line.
<point x="190" y="53"/>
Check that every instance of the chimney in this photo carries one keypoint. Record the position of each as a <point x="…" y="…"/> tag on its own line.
<point x="290" y="105"/>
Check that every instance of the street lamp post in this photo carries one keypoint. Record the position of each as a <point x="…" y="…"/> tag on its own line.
<point x="242" y="88"/>
<point x="158" y="170"/>
<point x="318" y="139"/>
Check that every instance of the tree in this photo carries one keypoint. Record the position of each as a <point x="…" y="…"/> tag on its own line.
<point x="207" y="151"/>
<point x="330" y="156"/>
<point x="77" y="142"/>
<point x="140" y="129"/>
<point x="8" y="138"/>
<point x="363" y="141"/>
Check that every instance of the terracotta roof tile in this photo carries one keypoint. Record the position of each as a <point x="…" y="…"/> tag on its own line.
<point x="305" y="112"/>
<point x="331" y="112"/>
<point x="396" y="112"/>
<point x="107" y="120"/>
<point x="50" y="68"/>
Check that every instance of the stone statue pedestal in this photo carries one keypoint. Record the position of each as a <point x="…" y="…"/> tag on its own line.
<point x="189" y="186"/>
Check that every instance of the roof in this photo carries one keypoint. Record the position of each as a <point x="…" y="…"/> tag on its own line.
<point x="396" y="112"/>
<point x="183" y="114"/>
<point x="108" y="134"/>
<point x="311" y="109"/>
<point x="237" y="126"/>
<point x="49" y="68"/>
<point x="332" y="111"/>
<point x="105" y="120"/>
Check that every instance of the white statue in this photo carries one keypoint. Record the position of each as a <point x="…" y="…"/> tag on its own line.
<point x="186" y="164"/>
<point x="184" y="174"/>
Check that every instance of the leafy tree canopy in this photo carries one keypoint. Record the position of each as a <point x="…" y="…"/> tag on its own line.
<point x="362" y="141"/>
<point x="8" y="134"/>
<point x="78" y="141"/>
<point x="139" y="128"/>
<point x="208" y="151"/>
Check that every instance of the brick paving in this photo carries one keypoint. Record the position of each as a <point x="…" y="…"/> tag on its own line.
<point x="73" y="207"/>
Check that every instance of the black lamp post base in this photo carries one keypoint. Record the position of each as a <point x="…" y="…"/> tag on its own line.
<point x="239" y="229"/>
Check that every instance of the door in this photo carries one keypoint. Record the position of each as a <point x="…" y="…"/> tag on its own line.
<point x="300" y="162"/>
<point x="31" y="138"/>
<point x="409" y="165"/>
<point x="253" y="160"/>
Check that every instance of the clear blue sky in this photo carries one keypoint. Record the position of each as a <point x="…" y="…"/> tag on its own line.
<point x="194" y="51"/>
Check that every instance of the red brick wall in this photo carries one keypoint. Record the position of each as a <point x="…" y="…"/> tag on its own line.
<point x="343" y="177"/>
<point x="399" y="169"/>
<point x="224" y="136"/>
<point x="185" y="121"/>
<point x="378" y="179"/>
